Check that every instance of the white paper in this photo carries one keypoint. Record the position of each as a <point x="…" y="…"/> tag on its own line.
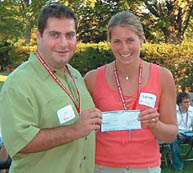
<point x="120" y="120"/>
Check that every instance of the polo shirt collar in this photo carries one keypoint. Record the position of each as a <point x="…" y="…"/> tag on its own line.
<point x="39" y="68"/>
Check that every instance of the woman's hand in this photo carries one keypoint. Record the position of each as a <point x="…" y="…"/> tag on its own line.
<point x="149" y="117"/>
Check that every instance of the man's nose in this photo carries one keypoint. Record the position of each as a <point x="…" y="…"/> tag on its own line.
<point x="63" y="41"/>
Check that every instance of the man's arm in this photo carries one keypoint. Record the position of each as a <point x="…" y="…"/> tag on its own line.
<point x="3" y="153"/>
<point x="49" y="138"/>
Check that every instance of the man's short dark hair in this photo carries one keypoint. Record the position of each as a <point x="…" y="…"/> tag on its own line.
<point x="58" y="11"/>
<point x="181" y="96"/>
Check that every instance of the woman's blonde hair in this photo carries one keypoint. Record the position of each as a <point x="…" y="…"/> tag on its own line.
<point x="125" y="19"/>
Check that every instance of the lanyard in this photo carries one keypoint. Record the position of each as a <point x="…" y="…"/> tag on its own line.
<point x="186" y="118"/>
<point x="119" y="85"/>
<point x="183" y="119"/>
<point x="77" y="105"/>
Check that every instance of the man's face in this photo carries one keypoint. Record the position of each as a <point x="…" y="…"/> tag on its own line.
<point x="184" y="105"/>
<point x="58" y="42"/>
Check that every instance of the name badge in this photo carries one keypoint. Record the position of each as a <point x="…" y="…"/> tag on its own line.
<point x="65" y="114"/>
<point x="147" y="99"/>
<point x="120" y="120"/>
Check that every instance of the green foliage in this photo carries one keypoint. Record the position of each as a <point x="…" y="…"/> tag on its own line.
<point x="167" y="21"/>
<point x="91" y="56"/>
<point x="10" y="24"/>
<point x="8" y="56"/>
<point x="94" y="18"/>
<point x="177" y="58"/>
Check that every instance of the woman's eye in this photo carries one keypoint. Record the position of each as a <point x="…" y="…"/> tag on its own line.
<point x="116" y="41"/>
<point x="130" y="40"/>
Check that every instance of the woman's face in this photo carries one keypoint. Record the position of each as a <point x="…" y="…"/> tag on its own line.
<point x="125" y="44"/>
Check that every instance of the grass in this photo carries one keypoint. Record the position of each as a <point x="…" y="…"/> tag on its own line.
<point x="188" y="168"/>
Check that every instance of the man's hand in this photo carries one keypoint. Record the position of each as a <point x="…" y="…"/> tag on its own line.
<point x="89" y="120"/>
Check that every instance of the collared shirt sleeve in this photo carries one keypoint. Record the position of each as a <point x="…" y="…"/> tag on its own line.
<point x="18" y="119"/>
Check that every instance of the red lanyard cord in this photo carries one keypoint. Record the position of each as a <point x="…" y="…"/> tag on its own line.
<point x="43" y="62"/>
<point x="120" y="89"/>
<point x="186" y="117"/>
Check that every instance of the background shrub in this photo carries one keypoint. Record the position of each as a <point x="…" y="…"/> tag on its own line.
<point x="177" y="58"/>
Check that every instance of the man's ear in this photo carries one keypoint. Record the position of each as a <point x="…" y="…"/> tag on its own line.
<point x="38" y="36"/>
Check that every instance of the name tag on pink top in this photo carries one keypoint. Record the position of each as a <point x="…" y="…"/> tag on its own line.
<point x="147" y="99"/>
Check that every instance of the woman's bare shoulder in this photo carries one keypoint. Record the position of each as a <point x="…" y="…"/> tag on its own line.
<point x="167" y="80"/>
<point x="90" y="74"/>
<point x="90" y="78"/>
<point x="165" y="74"/>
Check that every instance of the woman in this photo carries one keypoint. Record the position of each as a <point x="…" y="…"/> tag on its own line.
<point x="129" y="83"/>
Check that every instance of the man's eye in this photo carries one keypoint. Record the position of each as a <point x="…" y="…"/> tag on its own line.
<point x="54" y="35"/>
<point x="71" y="35"/>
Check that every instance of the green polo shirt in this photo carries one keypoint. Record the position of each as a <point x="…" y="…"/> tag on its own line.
<point x="29" y="101"/>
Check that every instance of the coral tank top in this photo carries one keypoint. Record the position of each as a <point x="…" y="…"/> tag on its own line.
<point x="126" y="148"/>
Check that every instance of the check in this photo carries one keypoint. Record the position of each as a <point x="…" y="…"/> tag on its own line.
<point x="120" y="120"/>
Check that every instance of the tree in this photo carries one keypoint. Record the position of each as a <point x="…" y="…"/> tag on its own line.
<point x="18" y="18"/>
<point x="10" y="24"/>
<point x="94" y="17"/>
<point x="170" y="17"/>
<point x="166" y="21"/>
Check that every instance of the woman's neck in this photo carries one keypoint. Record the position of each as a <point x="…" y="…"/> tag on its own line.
<point x="127" y="71"/>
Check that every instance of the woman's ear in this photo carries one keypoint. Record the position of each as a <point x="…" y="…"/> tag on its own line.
<point x="143" y="39"/>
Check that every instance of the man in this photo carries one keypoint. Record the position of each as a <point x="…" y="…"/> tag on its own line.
<point x="48" y="118"/>
<point x="185" y="126"/>
<point x="5" y="160"/>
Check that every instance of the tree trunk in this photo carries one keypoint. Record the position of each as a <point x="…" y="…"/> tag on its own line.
<point x="27" y="35"/>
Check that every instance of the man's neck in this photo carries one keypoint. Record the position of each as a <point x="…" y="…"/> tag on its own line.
<point x="183" y="110"/>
